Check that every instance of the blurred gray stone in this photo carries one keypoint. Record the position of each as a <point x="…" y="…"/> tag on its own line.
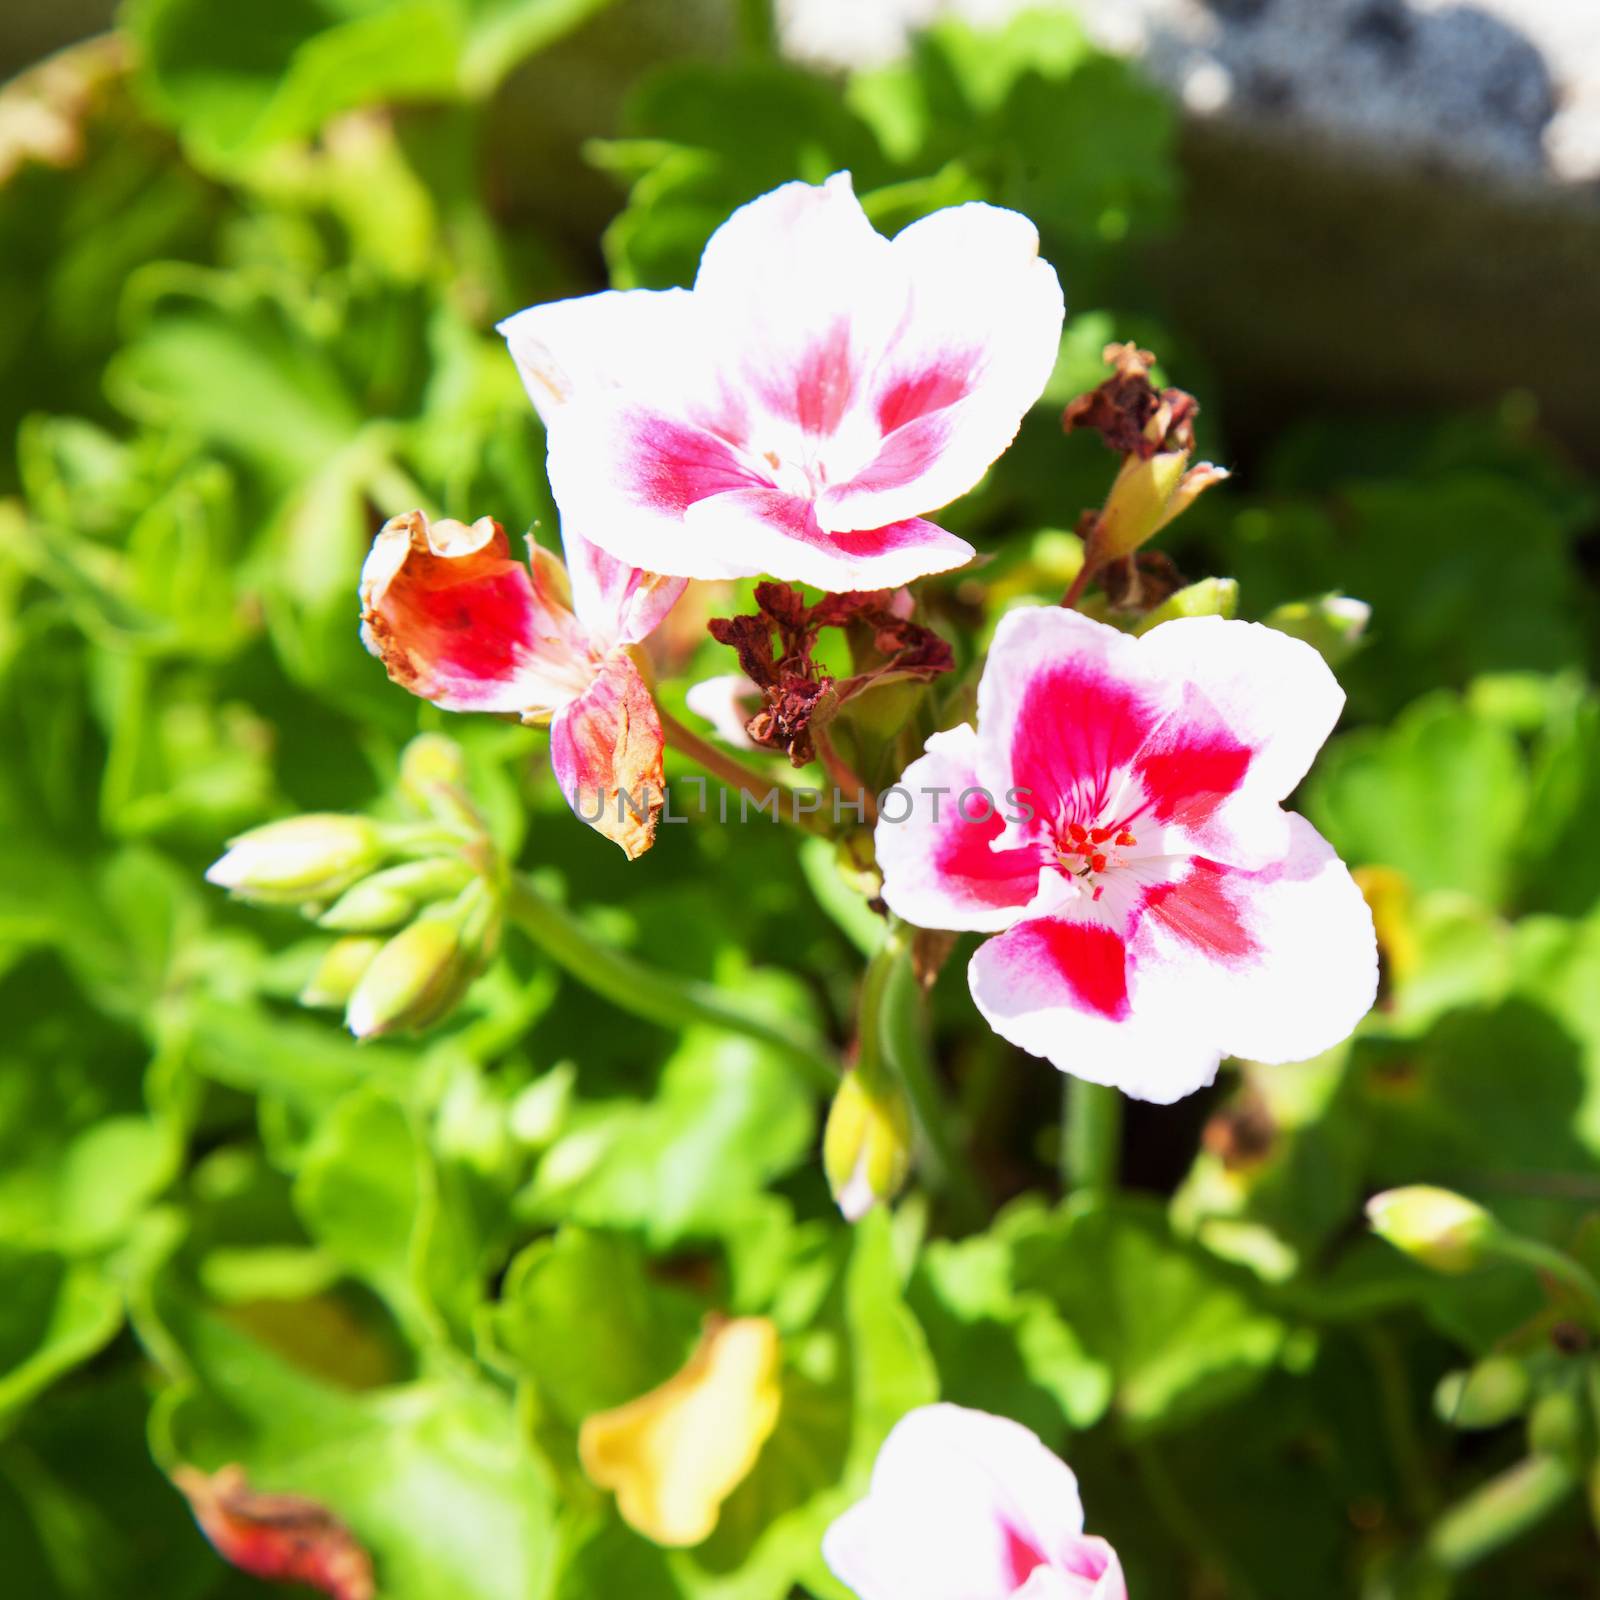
<point x="1388" y="202"/>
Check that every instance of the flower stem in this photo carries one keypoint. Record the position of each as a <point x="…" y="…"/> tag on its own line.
<point x="844" y="778"/>
<point x="892" y="1012"/>
<point x="736" y="775"/>
<point x="656" y="996"/>
<point x="1552" y="1263"/>
<point x="758" y="29"/>
<point x="1091" y="1135"/>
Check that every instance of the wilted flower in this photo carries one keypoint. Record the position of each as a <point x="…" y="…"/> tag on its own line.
<point x="282" y="1538"/>
<point x="1116" y="819"/>
<point x="799" y="410"/>
<point x="675" y="1454"/>
<point x="458" y="621"/>
<point x="969" y="1506"/>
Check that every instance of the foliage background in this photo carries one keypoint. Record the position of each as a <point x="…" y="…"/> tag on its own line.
<point x="250" y="258"/>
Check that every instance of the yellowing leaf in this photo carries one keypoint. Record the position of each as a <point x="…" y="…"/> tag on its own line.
<point x="672" y="1456"/>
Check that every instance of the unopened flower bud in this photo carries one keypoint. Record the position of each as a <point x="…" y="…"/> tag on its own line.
<point x="1210" y="597"/>
<point x="1441" y="1229"/>
<point x="1484" y="1396"/>
<point x="1146" y="496"/>
<point x="396" y="895"/>
<point x="1333" y="624"/>
<point x="433" y="777"/>
<point x="340" y="970"/>
<point x="866" y="1149"/>
<point x="299" y="860"/>
<point x="418" y="977"/>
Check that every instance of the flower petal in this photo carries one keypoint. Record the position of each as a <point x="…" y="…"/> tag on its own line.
<point x="758" y="530"/>
<point x="1281" y="962"/>
<point x="963" y="1506"/>
<point x="606" y="750"/>
<point x="1096" y="1576"/>
<point x="456" y="620"/>
<point x="974" y="353"/>
<point x="616" y="604"/>
<point x="1276" y="964"/>
<point x="1059" y="988"/>
<point x="576" y="349"/>
<point x="1063" y="709"/>
<point x="938" y="868"/>
<point x="804" y="296"/>
<point x="1273" y="693"/>
<point x="675" y="1454"/>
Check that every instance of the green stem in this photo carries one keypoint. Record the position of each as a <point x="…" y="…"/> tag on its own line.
<point x="1397" y="1413"/>
<point x="656" y="996"/>
<point x="1091" y="1137"/>
<point x="1553" y="1263"/>
<point x="758" y="29"/>
<point x="892" y="1013"/>
<point x="737" y="776"/>
<point x="1503" y="1509"/>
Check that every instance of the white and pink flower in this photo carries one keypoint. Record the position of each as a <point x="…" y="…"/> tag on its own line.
<point x="457" y="620"/>
<point x="1115" y="818"/>
<point x="969" y="1506"/>
<point x="800" y="409"/>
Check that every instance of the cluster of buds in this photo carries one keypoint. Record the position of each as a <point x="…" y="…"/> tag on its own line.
<point x="416" y="903"/>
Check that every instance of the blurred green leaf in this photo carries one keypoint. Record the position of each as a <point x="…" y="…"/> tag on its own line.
<point x="727" y="1117"/>
<point x="1180" y="1331"/>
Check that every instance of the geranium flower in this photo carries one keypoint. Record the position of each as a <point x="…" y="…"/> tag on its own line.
<point x="799" y="410"/>
<point x="1157" y="908"/>
<point x="968" y="1506"/>
<point x="460" y="622"/>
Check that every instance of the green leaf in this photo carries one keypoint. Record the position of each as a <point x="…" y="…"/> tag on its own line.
<point x="728" y="1116"/>
<point x="1442" y="796"/>
<point x="701" y="140"/>
<point x="281" y="68"/>
<point x="1001" y="1350"/>
<point x="1181" y="1332"/>
<point x="580" y="1320"/>
<point x="432" y="1477"/>
<point x="373" y="1195"/>
<point x="54" y="1315"/>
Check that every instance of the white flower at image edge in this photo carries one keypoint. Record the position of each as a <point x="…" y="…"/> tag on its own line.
<point x="968" y="1506"/>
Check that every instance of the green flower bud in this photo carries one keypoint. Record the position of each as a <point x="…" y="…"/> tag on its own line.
<point x="1442" y="1230"/>
<point x="418" y="977"/>
<point x="339" y="971"/>
<point x="299" y="860"/>
<point x="1210" y="597"/>
<point x="395" y="895"/>
<point x="433" y="777"/>
<point x="1146" y="496"/>
<point x="1484" y="1396"/>
<point x="1333" y="624"/>
<point x="866" y="1149"/>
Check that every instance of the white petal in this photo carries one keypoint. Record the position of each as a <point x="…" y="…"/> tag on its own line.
<point x="1275" y="693"/>
<point x="976" y="348"/>
<point x="573" y="350"/>
<point x="1023" y="983"/>
<point x="938" y="869"/>
<point x="954" y="1493"/>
